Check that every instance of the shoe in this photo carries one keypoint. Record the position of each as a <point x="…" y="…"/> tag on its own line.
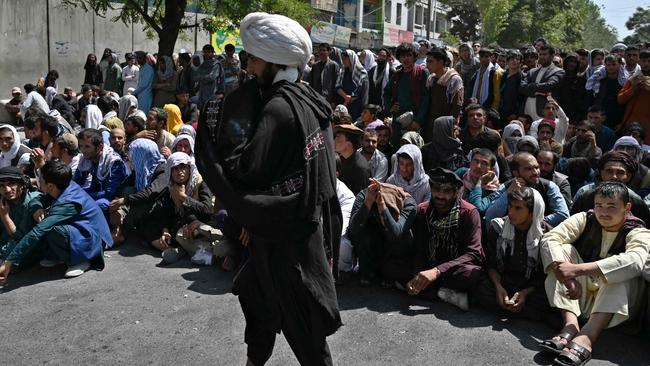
<point x="48" y="263"/>
<point x="222" y="248"/>
<point x="456" y="298"/>
<point x="172" y="255"/>
<point x="78" y="270"/>
<point x="210" y="232"/>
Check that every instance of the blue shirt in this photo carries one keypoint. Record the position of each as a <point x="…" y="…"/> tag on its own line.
<point x="557" y="205"/>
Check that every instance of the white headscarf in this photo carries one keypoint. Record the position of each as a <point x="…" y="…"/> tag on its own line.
<point x="125" y="104"/>
<point x="94" y="116"/>
<point x="189" y="139"/>
<point x="369" y="61"/>
<point x="357" y="70"/>
<point x="106" y="160"/>
<point x="50" y="93"/>
<point x="418" y="185"/>
<point x="276" y="38"/>
<point x="177" y="159"/>
<point x="506" y="241"/>
<point x="6" y="158"/>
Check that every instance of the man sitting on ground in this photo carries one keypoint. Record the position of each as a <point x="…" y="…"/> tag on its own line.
<point x="376" y="159"/>
<point x="548" y="161"/>
<point x="594" y="261"/>
<point x="409" y="173"/>
<point x="380" y="231"/>
<point x="101" y="171"/>
<point x="17" y="207"/>
<point x="62" y="234"/>
<point x="355" y="170"/>
<point x="480" y="180"/>
<point x="526" y="171"/>
<point x="447" y="234"/>
<point x="614" y="166"/>
<point x="156" y="122"/>
<point x="515" y="281"/>
<point x="66" y="149"/>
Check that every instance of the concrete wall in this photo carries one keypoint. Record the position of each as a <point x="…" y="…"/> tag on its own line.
<point x="73" y="34"/>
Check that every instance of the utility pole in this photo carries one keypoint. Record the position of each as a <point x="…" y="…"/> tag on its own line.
<point x="435" y="15"/>
<point x="427" y="25"/>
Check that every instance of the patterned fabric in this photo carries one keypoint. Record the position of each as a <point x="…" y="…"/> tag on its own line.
<point x="145" y="157"/>
<point x="444" y="231"/>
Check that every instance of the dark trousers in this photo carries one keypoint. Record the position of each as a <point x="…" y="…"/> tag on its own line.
<point x="462" y="278"/>
<point x="535" y="308"/>
<point x="303" y="323"/>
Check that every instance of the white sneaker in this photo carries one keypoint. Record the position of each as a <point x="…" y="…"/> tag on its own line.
<point x="78" y="270"/>
<point x="456" y="298"/>
<point x="49" y="263"/>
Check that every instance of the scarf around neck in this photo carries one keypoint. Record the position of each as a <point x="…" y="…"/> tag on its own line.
<point x="443" y="231"/>
<point x="485" y="83"/>
<point x="7" y="157"/>
<point x="506" y="241"/>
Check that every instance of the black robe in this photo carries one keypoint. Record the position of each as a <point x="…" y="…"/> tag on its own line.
<point x="271" y="164"/>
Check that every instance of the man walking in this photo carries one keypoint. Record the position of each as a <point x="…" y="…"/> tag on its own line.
<point x="285" y="196"/>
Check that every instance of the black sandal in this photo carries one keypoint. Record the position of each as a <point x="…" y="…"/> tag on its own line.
<point x="555" y="345"/>
<point x="578" y="357"/>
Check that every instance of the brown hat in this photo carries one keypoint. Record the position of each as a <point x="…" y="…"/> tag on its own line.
<point x="70" y="140"/>
<point x="348" y="128"/>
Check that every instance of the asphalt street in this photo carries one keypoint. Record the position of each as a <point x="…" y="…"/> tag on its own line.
<point x="139" y="312"/>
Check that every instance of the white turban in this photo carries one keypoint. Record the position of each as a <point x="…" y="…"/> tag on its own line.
<point x="276" y="38"/>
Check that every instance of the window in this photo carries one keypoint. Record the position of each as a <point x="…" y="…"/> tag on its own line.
<point x="398" y="15"/>
<point x="387" y="11"/>
<point x="370" y="14"/>
<point x="418" y="15"/>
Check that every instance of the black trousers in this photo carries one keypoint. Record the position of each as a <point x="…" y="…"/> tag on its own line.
<point x="303" y="323"/>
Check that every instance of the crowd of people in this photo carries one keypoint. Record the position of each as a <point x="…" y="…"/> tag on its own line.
<point x="516" y="180"/>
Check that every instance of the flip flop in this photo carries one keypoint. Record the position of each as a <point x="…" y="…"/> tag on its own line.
<point x="555" y="345"/>
<point x="578" y="357"/>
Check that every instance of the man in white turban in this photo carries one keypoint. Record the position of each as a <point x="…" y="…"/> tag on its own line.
<point x="288" y="162"/>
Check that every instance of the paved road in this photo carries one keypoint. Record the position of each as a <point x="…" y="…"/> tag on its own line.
<point x="138" y="312"/>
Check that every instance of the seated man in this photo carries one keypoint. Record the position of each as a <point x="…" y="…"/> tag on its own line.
<point x="101" y="171"/>
<point x="583" y="144"/>
<point x="614" y="166"/>
<point x="526" y="171"/>
<point x="17" y="207"/>
<point x="376" y="159"/>
<point x="447" y="234"/>
<point x="134" y="127"/>
<point x="480" y="180"/>
<point x="117" y="140"/>
<point x="380" y="231"/>
<point x="156" y="123"/>
<point x="355" y="170"/>
<point x="553" y="111"/>
<point x="13" y="105"/>
<point x="408" y="173"/>
<point x="594" y="261"/>
<point x="548" y="161"/>
<point x="515" y="281"/>
<point x="347" y="258"/>
<point x="62" y="234"/>
<point x="66" y="149"/>
<point x="186" y="198"/>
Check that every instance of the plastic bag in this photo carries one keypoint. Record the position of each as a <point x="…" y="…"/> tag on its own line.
<point x="202" y="257"/>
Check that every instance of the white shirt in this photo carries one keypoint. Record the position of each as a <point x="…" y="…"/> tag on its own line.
<point x="561" y="126"/>
<point x="130" y="75"/>
<point x="531" y="102"/>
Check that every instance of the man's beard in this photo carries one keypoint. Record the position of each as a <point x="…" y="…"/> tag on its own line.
<point x="381" y="64"/>
<point x="368" y="150"/>
<point x="266" y="80"/>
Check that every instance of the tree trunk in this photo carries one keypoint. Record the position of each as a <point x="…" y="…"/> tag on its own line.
<point x="172" y="20"/>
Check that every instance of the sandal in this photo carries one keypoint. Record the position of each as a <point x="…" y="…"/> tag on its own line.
<point x="573" y="355"/>
<point x="555" y="345"/>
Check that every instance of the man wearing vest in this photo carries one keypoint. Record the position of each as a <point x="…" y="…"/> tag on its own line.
<point x="593" y="262"/>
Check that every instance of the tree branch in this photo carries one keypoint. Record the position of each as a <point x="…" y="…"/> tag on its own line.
<point x="143" y="12"/>
<point x="188" y="26"/>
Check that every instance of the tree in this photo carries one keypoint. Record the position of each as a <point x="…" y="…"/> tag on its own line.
<point x="464" y="18"/>
<point x="166" y="18"/>
<point x="494" y="17"/>
<point x="639" y="22"/>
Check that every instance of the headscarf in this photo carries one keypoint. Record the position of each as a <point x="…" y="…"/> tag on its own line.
<point x="358" y="72"/>
<point x="467" y="68"/>
<point x="174" y="118"/>
<point x="94" y="116"/>
<point x="114" y="122"/>
<point x="6" y="158"/>
<point x="169" y="69"/>
<point x="620" y="157"/>
<point x="50" y="93"/>
<point x="528" y="140"/>
<point x="177" y="159"/>
<point x="125" y="104"/>
<point x="336" y="56"/>
<point x="452" y="84"/>
<point x="276" y="38"/>
<point x="511" y="141"/>
<point x="444" y="143"/>
<point x="630" y="141"/>
<point x="420" y="178"/>
<point x="151" y="59"/>
<point x="189" y="139"/>
<point x="369" y="60"/>
<point x="414" y="138"/>
<point x="145" y="157"/>
<point x="591" y="69"/>
<point x="105" y="164"/>
<point x="90" y="65"/>
<point x="114" y="59"/>
<point x="593" y="83"/>
<point x="506" y="241"/>
<point x="187" y="129"/>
